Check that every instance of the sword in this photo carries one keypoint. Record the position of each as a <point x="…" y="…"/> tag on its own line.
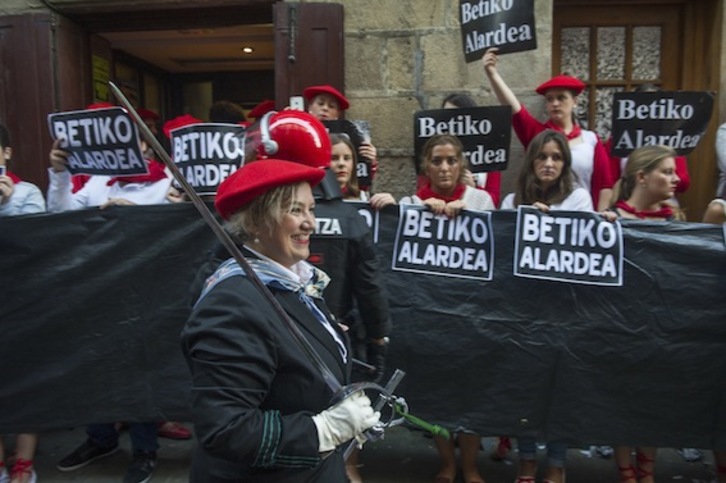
<point x="231" y="246"/>
<point x="327" y="375"/>
<point x="297" y="334"/>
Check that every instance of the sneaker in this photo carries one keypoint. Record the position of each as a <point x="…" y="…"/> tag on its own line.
<point x="601" y="451"/>
<point x="141" y="468"/>
<point x="84" y="454"/>
<point x="691" y="454"/>
<point x="173" y="430"/>
<point x="4" y="476"/>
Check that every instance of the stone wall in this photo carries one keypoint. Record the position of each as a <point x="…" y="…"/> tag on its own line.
<point x="406" y="55"/>
<point x="15" y="7"/>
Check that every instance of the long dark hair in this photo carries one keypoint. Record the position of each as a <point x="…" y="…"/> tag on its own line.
<point x="529" y="188"/>
<point x="459" y="100"/>
<point x="352" y="190"/>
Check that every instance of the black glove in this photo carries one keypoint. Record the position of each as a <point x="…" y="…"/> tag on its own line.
<point x="377" y="357"/>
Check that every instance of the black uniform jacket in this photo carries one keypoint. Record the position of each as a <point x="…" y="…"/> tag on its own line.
<point x="343" y="248"/>
<point x="254" y="390"/>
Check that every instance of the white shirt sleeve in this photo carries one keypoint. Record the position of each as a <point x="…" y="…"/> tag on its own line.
<point x="508" y="202"/>
<point x="60" y="197"/>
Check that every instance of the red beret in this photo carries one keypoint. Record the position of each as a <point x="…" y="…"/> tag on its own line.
<point x="562" y="82"/>
<point x="262" y="108"/>
<point x="179" y="121"/>
<point x="310" y="92"/>
<point x="99" y="105"/>
<point x="257" y="178"/>
<point x="147" y="114"/>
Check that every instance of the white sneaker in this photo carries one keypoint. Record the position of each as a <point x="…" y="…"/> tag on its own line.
<point x="691" y="455"/>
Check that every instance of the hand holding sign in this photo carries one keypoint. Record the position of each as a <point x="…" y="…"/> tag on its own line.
<point x="96" y="141"/>
<point x="58" y="157"/>
<point x="508" y="24"/>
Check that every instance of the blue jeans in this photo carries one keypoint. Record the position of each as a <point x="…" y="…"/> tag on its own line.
<point x="556" y="451"/>
<point x="143" y="436"/>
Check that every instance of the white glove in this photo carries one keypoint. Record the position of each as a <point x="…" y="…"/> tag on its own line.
<point x="346" y="420"/>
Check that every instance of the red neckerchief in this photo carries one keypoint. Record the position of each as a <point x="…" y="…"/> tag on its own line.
<point x="13" y="177"/>
<point x="156" y="173"/>
<point x="425" y="192"/>
<point x="664" y="212"/>
<point x="576" y="131"/>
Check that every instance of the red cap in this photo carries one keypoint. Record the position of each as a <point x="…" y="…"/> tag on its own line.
<point x="310" y="92"/>
<point x="562" y="82"/>
<point x="262" y="108"/>
<point x="147" y="114"/>
<point x="257" y="178"/>
<point x="179" y="121"/>
<point x="99" y="105"/>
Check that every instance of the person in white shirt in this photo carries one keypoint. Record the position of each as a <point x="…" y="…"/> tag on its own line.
<point x="546" y="180"/>
<point x="104" y="191"/>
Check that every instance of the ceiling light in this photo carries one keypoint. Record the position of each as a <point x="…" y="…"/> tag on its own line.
<point x="248" y="50"/>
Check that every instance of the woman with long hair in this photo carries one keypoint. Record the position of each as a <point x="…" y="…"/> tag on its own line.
<point x="546" y="180"/>
<point x="589" y="159"/>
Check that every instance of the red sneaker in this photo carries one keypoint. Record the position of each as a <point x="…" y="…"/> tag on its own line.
<point x="173" y="430"/>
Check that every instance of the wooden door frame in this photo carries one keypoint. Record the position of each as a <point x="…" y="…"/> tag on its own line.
<point x="701" y="32"/>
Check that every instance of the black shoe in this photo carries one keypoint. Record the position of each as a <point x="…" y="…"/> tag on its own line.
<point x="141" y="468"/>
<point x="84" y="454"/>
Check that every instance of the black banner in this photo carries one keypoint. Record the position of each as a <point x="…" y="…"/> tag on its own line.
<point x="506" y="24"/>
<point x="485" y="133"/>
<point x="574" y="246"/>
<point x="100" y="141"/>
<point x="675" y="119"/>
<point x="93" y="302"/>
<point x="207" y="153"/>
<point x="358" y="132"/>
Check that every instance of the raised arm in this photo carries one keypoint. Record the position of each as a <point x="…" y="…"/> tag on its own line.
<point x="504" y="94"/>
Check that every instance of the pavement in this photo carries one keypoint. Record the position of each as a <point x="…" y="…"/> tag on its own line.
<point x="403" y="456"/>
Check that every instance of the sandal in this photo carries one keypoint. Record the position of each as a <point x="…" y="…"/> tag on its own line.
<point x="643" y="460"/>
<point x="21" y="468"/>
<point x="627" y="473"/>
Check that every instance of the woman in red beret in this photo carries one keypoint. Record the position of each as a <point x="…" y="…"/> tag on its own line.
<point x="327" y="104"/>
<point x="262" y="411"/>
<point x="590" y="161"/>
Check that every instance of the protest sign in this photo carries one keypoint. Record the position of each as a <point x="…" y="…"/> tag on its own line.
<point x="675" y="119"/>
<point x="455" y="247"/>
<point x="99" y="141"/>
<point x="506" y="24"/>
<point x="358" y="132"/>
<point x="208" y="153"/>
<point x="484" y="132"/>
<point x="579" y="247"/>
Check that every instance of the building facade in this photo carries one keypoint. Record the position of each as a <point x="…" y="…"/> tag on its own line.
<point x="390" y="58"/>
